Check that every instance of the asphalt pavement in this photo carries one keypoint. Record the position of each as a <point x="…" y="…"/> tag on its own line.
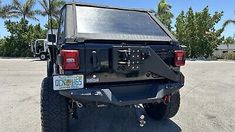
<point x="207" y="101"/>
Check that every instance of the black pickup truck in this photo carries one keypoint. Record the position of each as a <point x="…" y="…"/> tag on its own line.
<point x="107" y="56"/>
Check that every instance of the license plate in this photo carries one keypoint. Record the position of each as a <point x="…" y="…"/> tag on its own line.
<point x="62" y="82"/>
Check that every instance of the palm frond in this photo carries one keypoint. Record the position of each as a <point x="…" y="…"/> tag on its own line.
<point x="31" y="15"/>
<point x="5" y="11"/>
<point x="30" y="4"/>
<point x="38" y="12"/>
<point x="14" y="14"/>
<point x="226" y="23"/>
<point x="28" y="7"/>
<point x="55" y="7"/>
<point x="44" y="5"/>
<point x="16" y="5"/>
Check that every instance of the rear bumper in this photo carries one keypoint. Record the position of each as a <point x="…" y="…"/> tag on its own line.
<point x="121" y="95"/>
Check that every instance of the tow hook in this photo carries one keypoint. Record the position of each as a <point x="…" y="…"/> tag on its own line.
<point x="139" y="110"/>
<point x="166" y="99"/>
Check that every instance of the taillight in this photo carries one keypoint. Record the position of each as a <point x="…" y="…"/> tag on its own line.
<point x="70" y="59"/>
<point x="180" y="57"/>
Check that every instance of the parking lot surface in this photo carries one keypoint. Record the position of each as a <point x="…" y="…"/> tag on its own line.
<point x="207" y="101"/>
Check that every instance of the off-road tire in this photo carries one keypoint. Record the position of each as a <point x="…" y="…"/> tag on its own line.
<point x="43" y="56"/>
<point x="159" y="111"/>
<point x="54" y="109"/>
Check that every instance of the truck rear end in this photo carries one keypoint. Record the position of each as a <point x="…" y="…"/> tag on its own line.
<point x="111" y="56"/>
<point x="117" y="56"/>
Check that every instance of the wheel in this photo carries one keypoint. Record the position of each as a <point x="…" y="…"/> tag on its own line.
<point x="49" y="68"/>
<point x="160" y="111"/>
<point x="43" y="56"/>
<point x="54" y="108"/>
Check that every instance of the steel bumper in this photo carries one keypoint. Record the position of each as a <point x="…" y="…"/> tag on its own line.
<point x="123" y="95"/>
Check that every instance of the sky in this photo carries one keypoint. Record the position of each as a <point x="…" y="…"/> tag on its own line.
<point x="227" y="6"/>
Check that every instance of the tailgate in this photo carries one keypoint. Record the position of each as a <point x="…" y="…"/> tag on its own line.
<point x="115" y="63"/>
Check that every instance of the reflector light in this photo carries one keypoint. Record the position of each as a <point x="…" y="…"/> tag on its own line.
<point x="180" y="57"/>
<point x="70" y="59"/>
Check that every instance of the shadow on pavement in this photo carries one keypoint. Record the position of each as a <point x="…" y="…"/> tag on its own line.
<point x="117" y="120"/>
<point x="37" y="60"/>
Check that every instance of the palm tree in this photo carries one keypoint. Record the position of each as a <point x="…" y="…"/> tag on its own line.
<point x="24" y="10"/>
<point x="164" y="13"/>
<point x="55" y="8"/>
<point x="5" y="11"/>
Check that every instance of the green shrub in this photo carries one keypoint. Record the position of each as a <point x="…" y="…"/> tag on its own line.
<point x="17" y="44"/>
<point x="229" y="56"/>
